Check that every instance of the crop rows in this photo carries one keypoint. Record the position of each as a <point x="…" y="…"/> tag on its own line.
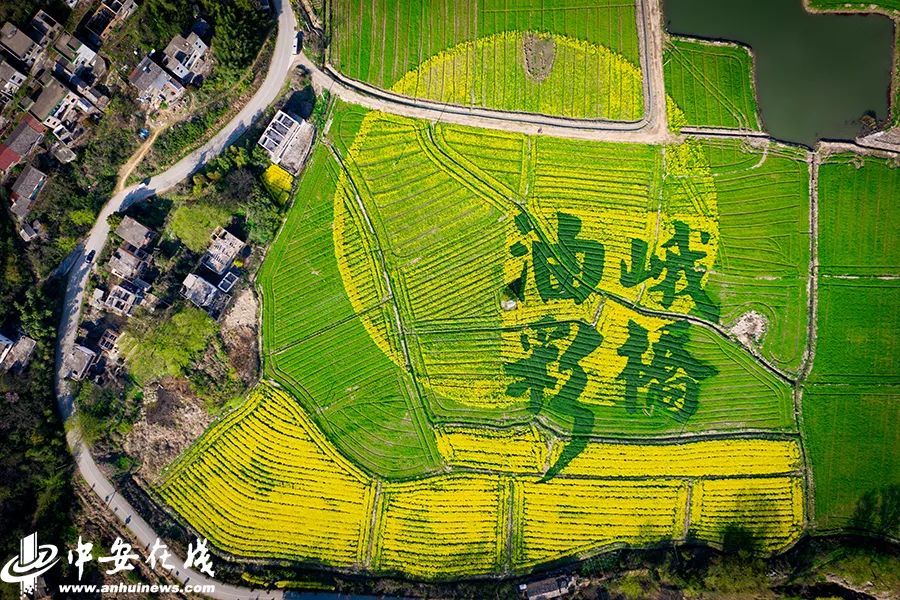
<point x="584" y="80"/>
<point x="446" y="526"/>
<point x="859" y="215"/>
<point x="567" y="517"/>
<point x="257" y="480"/>
<point x="769" y="510"/>
<point x="380" y="41"/>
<point x="712" y="83"/>
<point x="529" y="451"/>
<point x="264" y="482"/>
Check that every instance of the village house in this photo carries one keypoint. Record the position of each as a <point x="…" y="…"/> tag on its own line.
<point x="134" y="233"/>
<point x="60" y="109"/>
<point x="51" y="95"/>
<point x="154" y="85"/>
<point x="10" y="81"/>
<point x="29" y="231"/>
<point x="128" y="262"/>
<point x="24" y="138"/>
<point x="222" y="251"/>
<point x="187" y="58"/>
<point x="78" y="362"/>
<point x="548" y="589"/>
<point x="121" y="299"/>
<point x="107" y="343"/>
<point x="25" y="191"/>
<point x="228" y="281"/>
<point x="19" y="45"/>
<point x="75" y="56"/>
<point x="203" y="294"/>
<point x="107" y="16"/>
<point x="287" y="140"/>
<point x="44" y="28"/>
<point x="17" y="357"/>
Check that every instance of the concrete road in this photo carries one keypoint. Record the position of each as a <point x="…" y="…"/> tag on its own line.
<point x="279" y="69"/>
<point x="651" y="129"/>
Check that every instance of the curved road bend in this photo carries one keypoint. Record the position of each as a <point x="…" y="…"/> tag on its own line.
<point x="279" y="69"/>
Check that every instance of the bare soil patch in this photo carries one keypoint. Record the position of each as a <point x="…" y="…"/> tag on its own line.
<point x="540" y="52"/>
<point x="750" y="328"/>
<point x="172" y="417"/>
<point x="239" y="332"/>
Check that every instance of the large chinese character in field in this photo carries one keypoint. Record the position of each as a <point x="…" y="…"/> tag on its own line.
<point x="680" y="262"/>
<point x="672" y="376"/>
<point x="569" y="269"/>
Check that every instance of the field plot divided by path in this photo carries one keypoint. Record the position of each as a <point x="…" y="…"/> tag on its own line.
<point x="851" y="404"/>
<point x="265" y="483"/>
<point x="472" y="53"/>
<point x="712" y="83"/>
<point x="763" y="260"/>
<point x="310" y="333"/>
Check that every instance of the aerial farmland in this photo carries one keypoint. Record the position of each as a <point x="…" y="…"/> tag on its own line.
<point x="549" y="298"/>
<point x="503" y="350"/>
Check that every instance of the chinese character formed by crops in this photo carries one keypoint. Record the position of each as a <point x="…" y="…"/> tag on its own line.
<point x="672" y="377"/>
<point x="532" y="374"/>
<point x="680" y="260"/>
<point x="570" y="269"/>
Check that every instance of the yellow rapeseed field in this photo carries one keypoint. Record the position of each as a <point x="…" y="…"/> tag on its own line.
<point x="585" y="80"/>
<point x="568" y="517"/>
<point x="265" y="483"/>
<point x="441" y="526"/>
<point x="770" y="510"/>
<point x="278" y="181"/>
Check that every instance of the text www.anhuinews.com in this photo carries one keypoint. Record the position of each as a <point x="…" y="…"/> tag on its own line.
<point x="135" y="588"/>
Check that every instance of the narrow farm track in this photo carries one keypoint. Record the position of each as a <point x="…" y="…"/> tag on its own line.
<point x="651" y="129"/>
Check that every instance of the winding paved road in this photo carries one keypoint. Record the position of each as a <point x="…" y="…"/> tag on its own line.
<point x="279" y="69"/>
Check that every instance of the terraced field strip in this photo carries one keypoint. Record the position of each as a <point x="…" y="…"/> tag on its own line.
<point x="712" y="82"/>
<point x="264" y="475"/>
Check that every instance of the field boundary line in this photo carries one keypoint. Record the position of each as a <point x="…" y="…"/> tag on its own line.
<point x="421" y="402"/>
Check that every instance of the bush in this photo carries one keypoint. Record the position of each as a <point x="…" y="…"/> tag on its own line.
<point x="154" y="350"/>
<point x="194" y="223"/>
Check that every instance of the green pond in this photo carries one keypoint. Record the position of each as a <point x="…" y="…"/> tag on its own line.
<point x="817" y="75"/>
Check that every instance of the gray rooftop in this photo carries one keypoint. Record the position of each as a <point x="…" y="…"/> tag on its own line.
<point x="79" y="361"/>
<point x="29" y="182"/>
<point x="127" y="264"/>
<point x="134" y="233"/>
<point x="222" y="251"/>
<point x="199" y="291"/>
<point x="20" y="45"/>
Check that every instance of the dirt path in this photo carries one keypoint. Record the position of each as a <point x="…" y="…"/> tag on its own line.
<point x="814" y="159"/>
<point x="136" y="158"/>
